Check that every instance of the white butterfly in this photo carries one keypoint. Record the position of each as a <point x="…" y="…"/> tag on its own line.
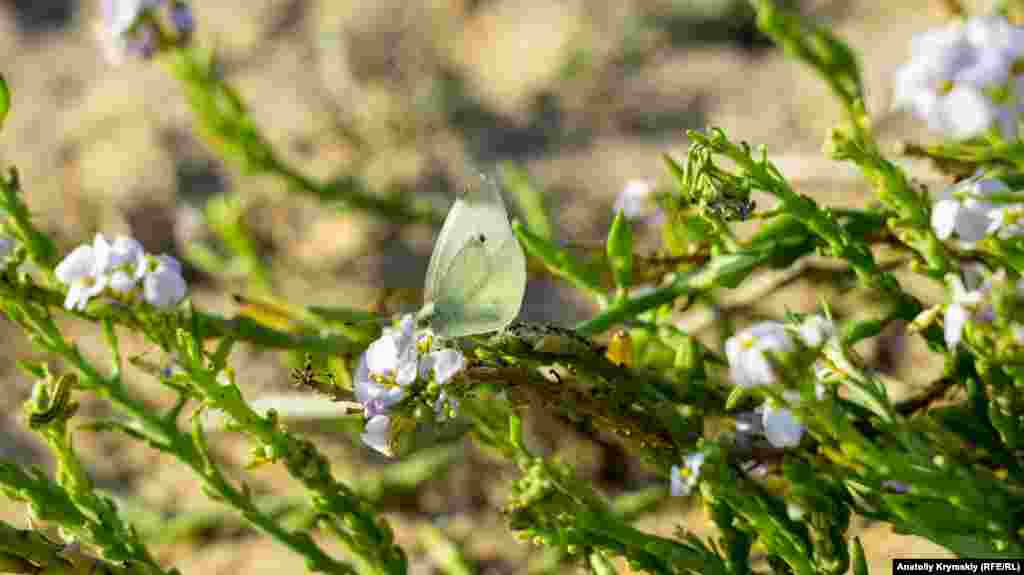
<point x="477" y="274"/>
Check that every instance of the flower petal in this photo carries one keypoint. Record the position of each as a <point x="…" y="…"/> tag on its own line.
<point x="965" y="113"/>
<point x="944" y="214"/>
<point x="447" y="363"/>
<point x="781" y="427"/>
<point x="377" y="434"/>
<point x="953" y="324"/>
<point x="164" y="287"/>
<point x="382" y="356"/>
<point x="76" y="265"/>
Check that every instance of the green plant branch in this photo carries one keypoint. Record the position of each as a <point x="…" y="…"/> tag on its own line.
<point x="161" y="432"/>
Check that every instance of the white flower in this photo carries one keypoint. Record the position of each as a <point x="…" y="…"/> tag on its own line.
<point x="781" y="427"/>
<point x="389" y="364"/>
<point x="965" y="209"/>
<point x="815" y="329"/>
<point x="965" y="305"/>
<point x="122" y="262"/>
<point x="748" y="365"/>
<point x="443" y="364"/>
<point x="76" y="271"/>
<point x="125" y="252"/>
<point x="951" y="72"/>
<point x="90" y="269"/>
<point x="164" y="287"/>
<point x="637" y="201"/>
<point x="966" y="112"/>
<point x="994" y="34"/>
<point x="376" y="398"/>
<point x="684" y="479"/>
<point x="394" y="357"/>
<point x="377" y="434"/>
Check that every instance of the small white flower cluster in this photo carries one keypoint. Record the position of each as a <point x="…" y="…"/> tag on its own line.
<point x="123" y="268"/>
<point x="975" y="209"/>
<point x="963" y="79"/>
<point x="684" y="479"/>
<point x="637" y="202"/>
<point x="390" y="365"/>
<point x="750" y="367"/>
<point x="970" y="302"/>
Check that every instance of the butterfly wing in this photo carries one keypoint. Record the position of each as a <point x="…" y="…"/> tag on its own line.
<point x="477" y="274"/>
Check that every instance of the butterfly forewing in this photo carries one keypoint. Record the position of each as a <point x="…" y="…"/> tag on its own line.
<point x="478" y="213"/>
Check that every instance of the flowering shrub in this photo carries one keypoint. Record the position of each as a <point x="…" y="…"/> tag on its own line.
<point x="812" y="435"/>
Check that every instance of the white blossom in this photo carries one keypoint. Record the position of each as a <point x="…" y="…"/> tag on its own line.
<point x="637" y="201"/>
<point x="119" y="265"/>
<point x="684" y="479"/>
<point x="965" y="209"/>
<point x="815" y="329"/>
<point x="376" y="398"/>
<point x="781" y="427"/>
<point x="390" y="366"/>
<point x="995" y="35"/>
<point x="77" y="271"/>
<point x="164" y="287"/>
<point x="748" y="366"/>
<point x="443" y="365"/>
<point x="967" y="298"/>
<point x="395" y="357"/>
<point x="953" y="72"/>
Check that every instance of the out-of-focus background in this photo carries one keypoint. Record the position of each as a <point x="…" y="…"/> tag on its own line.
<point x="584" y="94"/>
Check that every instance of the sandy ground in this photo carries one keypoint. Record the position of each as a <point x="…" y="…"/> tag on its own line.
<point x="585" y="95"/>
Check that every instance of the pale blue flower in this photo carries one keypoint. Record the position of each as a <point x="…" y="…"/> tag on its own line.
<point x="780" y="424"/>
<point x="953" y="70"/>
<point x="684" y="479"/>
<point x="963" y="209"/>
<point x="967" y="299"/>
<point x="443" y="365"/>
<point x="748" y="366"/>
<point x="164" y="287"/>
<point x="394" y="356"/>
<point x="376" y="398"/>
<point x="77" y="271"/>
